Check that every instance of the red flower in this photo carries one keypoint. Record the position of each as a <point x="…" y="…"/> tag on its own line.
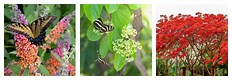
<point x="207" y="33"/>
<point x="207" y="61"/>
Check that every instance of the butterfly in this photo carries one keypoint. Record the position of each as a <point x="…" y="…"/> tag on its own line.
<point x="35" y="32"/>
<point x="100" y="60"/>
<point x="101" y="27"/>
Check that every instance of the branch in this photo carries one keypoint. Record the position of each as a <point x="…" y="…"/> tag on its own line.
<point x="137" y="24"/>
<point x="138" y="63"/>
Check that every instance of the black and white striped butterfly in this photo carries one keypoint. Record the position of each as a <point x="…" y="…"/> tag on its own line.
<point x="100" y="60"/>
<point x="101" y="27"/>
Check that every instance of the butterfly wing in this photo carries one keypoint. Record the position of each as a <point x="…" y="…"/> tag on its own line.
<point x="39" y="26"/>
<point x="98" y="24"/>
<point x="21" y="29"/>
<point x="110" y="28"/>
<point x="34" y="32"/>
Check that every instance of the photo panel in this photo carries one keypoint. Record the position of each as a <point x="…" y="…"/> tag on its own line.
<point x="115" y="40"/>
<point x="39" y="40"/>
<point x="192" y="40"/>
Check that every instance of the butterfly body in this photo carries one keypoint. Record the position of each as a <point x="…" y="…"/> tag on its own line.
<point x="35" y="32"/>
<point x="38" y="40"/>
<point x="103" y="28"/>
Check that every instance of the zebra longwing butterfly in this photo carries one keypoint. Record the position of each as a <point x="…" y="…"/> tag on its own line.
<point x="101" y="27"/>
<point x="100" y="60"/>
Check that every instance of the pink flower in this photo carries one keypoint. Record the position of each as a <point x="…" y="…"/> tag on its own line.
<point x="25" y="50"/>
<point x="53" y="65"/>
<point x="7" y="71"/>
<point x="58" y="29"/>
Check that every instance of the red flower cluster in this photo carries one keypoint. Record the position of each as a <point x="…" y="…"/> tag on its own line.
<point x="205" y="34"/>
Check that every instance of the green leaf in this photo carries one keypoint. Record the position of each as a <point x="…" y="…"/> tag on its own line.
<point x="41" y="54"/>
<point x="92" y="36"/>
<point x="93" y="11"/>
<point x="135" y="6"/>
<point x="12" y="52"/>
<point x="72" y="34"/>
<point x="29" y="9"/>
<point x="43" y="70"/>
<point x="46" y="57"/>
<point x="15" y="69"/>
<point x="114" y="35"/>
<point x="53" y="45"/>
<point x="111" y="7"/>
<point x="121" y="17"/>
<point x="104" y="47"/>
<point x="81" y="10"/>
<point x="66" y="9"/>
<point x="55" y="12"/>
<point x="119" y="62"/>
<point x="6" y="54"/>
<point x="7" y="12"/>
<point x="57" y="57"/>
<point x="110" y="39"/>
<point x="51" y="7"/>
<point x="25" y="72"/>
<point x="31" y="18"/>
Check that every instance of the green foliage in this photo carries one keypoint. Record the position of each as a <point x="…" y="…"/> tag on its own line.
<point x="7" y="10"/>
<point x="104" y="47"/>
<point x="25" y="72"/>
<point x="110" y="8"/>
<point x="44" y="70"/>
<point x="135" y="6"/>
<point x="57" y="57"/>
<point x="29" y="11"/>
<point x="121" y="17"/>
<point x="93" y="11"/>
<point x="81" y="10"/>
<point x="15" y="69"/>
<point x="92" y="42"/>
<point x="92" y="36"/>
<point x="6" y="54"/>
<point x="116" y="34"/>
<point x="53" y="45"/>
<point x="119" y="61"/>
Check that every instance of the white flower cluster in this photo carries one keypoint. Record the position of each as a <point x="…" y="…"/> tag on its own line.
<point x="127" y="47"/>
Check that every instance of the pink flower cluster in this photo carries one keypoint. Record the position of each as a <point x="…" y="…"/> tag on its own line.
<point x="25" y="50"/>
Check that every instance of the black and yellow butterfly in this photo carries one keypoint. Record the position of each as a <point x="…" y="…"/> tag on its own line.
<point x="101" y="27"/>
<point x="35" y="32"/>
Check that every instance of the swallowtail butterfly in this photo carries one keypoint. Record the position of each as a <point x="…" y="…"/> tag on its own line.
<point x="35" y="32"/>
